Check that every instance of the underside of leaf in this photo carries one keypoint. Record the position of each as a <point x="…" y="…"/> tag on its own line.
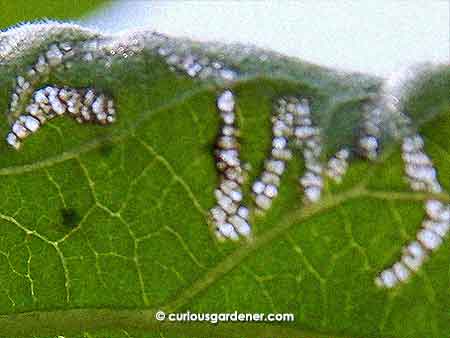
<point x="232" y="179"/>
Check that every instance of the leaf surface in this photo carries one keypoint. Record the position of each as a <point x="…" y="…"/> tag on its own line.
<point x="102" y="226"/>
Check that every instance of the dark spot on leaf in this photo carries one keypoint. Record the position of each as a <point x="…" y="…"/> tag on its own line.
<point x="70" y="217"/>
<point x="106" y="148"/>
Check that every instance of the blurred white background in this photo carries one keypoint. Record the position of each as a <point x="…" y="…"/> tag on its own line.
<point x="372" y="36"/>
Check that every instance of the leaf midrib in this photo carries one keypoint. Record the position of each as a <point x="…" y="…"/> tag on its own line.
<point x="75" y="321"/>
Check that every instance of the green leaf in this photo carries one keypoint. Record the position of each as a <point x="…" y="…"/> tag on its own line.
<point x="17" y="11"/>
<point x="102" y="226"/>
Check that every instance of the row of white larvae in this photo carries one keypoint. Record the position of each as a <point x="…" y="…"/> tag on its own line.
<point x="61" y="55"/>
<point x="291" y="123"/>
<point x="229" y="215"/>
<point x="422" y="176"/>
<point x="179" y="56"/>
<point x="50" y="102"/>
<point x="57" y="55"/>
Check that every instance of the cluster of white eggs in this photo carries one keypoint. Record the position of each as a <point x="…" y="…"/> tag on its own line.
<point x="265" y="188"/>
<point x="337" y="165"/>
<point x="194" y="65"/>
<point x="422" y="176"/>
<point x="174" y="52"/>
<point x="180" y="55"/>
<point x="291" y="126"/>
<point x="435" y="228"/>
<point x="369" y="142"/>
<point x="307" y="137"/>
<point x="229" y="215"/>
<point x="53" y="57"/>
<point x="57" y="55"/>
<point x="291" y="121"/>
<point x="84" y="105"/>
<point x="419" y="169"/>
